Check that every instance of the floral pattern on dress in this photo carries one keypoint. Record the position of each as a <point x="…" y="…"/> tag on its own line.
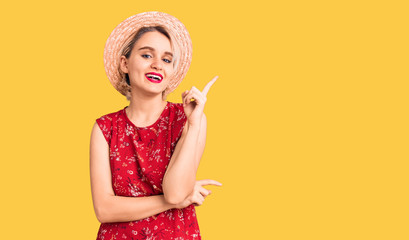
<point x="138" y="159"/>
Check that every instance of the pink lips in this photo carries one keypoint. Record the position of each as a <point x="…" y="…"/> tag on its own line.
<point x="152" y="80"/>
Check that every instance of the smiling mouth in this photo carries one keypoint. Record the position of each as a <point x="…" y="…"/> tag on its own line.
<point x="154" y="77"/>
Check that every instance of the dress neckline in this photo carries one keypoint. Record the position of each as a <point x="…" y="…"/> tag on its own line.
<point x="153" y="124"/>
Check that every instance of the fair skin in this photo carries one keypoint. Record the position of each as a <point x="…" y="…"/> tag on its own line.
<point x="179" y="184"/>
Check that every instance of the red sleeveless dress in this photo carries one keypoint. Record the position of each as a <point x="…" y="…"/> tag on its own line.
<point x="138" y="158"/>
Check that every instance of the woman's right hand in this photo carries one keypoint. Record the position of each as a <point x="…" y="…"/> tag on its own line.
<point x="198" y="194"/>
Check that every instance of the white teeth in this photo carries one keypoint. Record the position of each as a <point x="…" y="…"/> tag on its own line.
<point x="154" y="76"/>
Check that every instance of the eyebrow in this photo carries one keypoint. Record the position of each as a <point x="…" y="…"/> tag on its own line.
<point x="152" y="49"/>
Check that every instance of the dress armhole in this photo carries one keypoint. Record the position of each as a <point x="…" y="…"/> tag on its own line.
<point x="106" y="130"/>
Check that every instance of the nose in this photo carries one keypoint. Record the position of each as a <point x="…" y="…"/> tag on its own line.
<point x="157" y="64"/>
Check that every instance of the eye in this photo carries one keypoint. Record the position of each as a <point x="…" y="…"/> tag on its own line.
<point x="146" y="56"/>
<point x="167" y="60"/>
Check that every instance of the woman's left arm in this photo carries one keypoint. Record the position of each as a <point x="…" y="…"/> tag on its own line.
<point x="180" y="176"/>
<point x="201" y="141"/>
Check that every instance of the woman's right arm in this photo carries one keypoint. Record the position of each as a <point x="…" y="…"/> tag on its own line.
<point x="107" y="206"/>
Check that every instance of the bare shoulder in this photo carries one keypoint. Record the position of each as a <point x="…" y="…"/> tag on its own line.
<point x="96" y="131"/>
<point x="100" y="172"/>
<point x="99" y="148"/>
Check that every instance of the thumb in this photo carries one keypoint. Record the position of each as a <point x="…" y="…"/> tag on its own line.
<point x="184" y="93"/>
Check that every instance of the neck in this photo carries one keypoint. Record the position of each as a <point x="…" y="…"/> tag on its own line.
<point x="144" y="110"/>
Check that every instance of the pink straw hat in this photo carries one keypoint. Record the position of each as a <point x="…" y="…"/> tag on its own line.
<point x="125" y="31"/>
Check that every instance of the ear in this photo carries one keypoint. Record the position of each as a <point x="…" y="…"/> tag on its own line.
<point x="123" y="64"/>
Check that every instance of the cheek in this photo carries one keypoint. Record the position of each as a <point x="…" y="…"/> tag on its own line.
<point x="139" y="65"/>
<point x="169" y="70"/>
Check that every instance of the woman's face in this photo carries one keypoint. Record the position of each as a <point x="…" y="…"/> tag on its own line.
<point x="150" y="64"/>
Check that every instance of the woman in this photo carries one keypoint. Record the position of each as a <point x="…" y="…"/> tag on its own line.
<point x="144" y="157"/>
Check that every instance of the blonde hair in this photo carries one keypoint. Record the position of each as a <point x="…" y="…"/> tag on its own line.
<point x="126" y="50"/>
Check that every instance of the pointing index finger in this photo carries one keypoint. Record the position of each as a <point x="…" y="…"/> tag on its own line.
<point x="208" y="85"/>
<point x="209" y="182"/>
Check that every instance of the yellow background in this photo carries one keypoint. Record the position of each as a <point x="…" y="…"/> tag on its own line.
<point x="307" y="123"/>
